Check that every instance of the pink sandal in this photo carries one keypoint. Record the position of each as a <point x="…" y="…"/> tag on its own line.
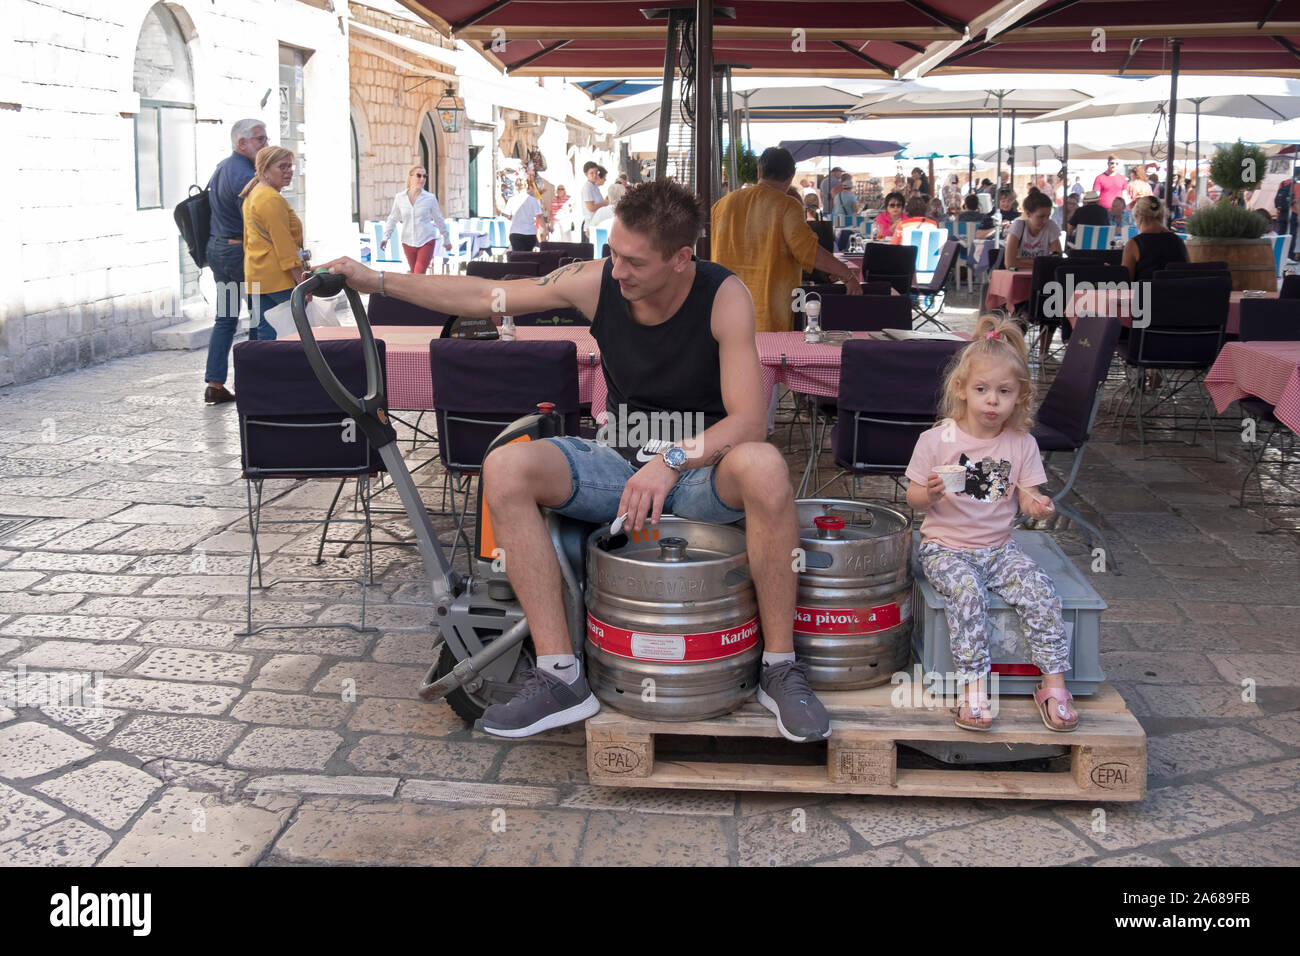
<point x="1062" y="697"/>
<point x="977" y="710"/>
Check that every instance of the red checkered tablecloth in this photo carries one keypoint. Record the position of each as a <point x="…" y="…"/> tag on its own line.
<point x="1007" y="288"/>
<point x="786" y="359"/>
<point x="1267" y="370"/>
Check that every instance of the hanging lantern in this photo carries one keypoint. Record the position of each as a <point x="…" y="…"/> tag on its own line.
<point x="449" y="112"/>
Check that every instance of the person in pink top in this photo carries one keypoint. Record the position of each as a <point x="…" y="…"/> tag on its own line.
<point x="1109" y="184"/>
<point x="983" y="439"/>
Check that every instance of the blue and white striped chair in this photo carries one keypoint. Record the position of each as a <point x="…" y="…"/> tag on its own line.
<point x="1280" y="246"/>
<point x="394" y="251"/>
<point x="499" y="235"/>
<point x="599" y="237"/>
<point x="929" y="245"/>
<point x="1092" y="237"/>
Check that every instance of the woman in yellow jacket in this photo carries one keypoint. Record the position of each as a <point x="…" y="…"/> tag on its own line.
<point x="272" y="238"/>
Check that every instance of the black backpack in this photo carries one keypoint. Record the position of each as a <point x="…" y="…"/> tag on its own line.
<point x="194" y="220"/>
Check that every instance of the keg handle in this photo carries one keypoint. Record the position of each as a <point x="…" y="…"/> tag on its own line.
<point x="672" y="549"/>
<point x="857" y="507"/>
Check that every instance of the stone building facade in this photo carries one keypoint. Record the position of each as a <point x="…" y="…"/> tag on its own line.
<point x="112" y="111"/>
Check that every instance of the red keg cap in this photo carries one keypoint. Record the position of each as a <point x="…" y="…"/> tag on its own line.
<point x="545" y="408"/>
<point x="827" y="523"/>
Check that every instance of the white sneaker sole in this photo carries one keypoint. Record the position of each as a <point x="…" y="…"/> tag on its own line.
<point x="770" y="704"/>
<point x="580" y="711"/>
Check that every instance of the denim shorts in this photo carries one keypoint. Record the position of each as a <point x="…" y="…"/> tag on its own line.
<point x="600" y="473"/>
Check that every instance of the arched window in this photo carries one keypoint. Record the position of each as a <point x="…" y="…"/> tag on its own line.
<point x="164" y="127"/>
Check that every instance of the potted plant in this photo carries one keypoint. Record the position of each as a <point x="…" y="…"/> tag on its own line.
<point x="1229" y="232"/>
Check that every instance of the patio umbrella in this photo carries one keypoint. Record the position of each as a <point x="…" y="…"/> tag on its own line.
<point x="764" y="99"/>
<point x="1031" y="94"/>
<point x="1242" y="97"/>
<point x="830" y="146"/>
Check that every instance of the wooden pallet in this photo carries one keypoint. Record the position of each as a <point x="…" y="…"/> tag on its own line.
<point x="1107" y="753"/>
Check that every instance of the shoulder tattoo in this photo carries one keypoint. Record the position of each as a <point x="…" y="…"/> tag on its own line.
<point x="573" y="268"/>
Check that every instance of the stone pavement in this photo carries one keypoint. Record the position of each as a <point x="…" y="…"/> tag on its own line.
<point x="123" y="552"/>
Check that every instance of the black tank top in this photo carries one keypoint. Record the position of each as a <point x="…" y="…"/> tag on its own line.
<point x="665" y="377"/>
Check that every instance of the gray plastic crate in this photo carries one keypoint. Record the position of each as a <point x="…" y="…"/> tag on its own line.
<point x="1081" y="609"/>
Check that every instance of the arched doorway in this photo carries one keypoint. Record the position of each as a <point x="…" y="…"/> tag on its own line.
<point x="429" y="153"/>
<point x="164" y="127"/>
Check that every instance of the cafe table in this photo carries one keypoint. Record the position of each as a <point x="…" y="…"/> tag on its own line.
<point x="1266" y="370"/>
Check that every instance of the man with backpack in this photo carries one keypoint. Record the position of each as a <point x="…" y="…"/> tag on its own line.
<point x="225" y="249"/>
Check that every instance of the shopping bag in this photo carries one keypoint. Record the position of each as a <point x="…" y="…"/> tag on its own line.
<point x="320" y="314"/>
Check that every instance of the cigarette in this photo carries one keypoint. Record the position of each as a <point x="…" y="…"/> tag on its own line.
<point x="617" y="524"/>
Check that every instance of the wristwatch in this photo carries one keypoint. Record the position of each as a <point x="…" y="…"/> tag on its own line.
<point x="674" y="457"/>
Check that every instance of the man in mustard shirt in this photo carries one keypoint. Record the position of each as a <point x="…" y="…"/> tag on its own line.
<point x="761" y="235"/>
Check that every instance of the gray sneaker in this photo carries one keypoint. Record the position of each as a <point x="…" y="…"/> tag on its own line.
<point x="784" y="690"/>
<point x="543" y="703"/>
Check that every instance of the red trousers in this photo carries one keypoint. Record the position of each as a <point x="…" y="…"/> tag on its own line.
<point x="419" y="257"/>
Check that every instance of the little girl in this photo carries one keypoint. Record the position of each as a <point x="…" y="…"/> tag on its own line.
<point x="966" y="541"/>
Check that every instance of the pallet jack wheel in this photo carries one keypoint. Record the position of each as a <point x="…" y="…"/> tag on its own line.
<point x="469" y="706"/>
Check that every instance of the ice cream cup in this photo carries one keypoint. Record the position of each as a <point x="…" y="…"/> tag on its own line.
<point x="954" y="477"/>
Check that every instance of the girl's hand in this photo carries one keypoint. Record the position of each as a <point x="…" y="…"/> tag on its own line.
<point x="1039" y="507"/>
<point x="934" y="487"/>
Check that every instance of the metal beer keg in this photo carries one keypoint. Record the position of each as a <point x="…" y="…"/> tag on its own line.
<point x="853" y="614"/>
<point x="672" y="620"/>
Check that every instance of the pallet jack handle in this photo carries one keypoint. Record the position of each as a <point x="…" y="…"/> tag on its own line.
<point x="370" y="412"/>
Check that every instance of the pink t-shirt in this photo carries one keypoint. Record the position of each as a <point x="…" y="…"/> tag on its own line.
<point x="1109" y="187"/>
<point x="981" y="516"/>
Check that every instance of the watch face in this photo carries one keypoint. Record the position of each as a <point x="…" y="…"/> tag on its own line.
<point x="675" y="457"/>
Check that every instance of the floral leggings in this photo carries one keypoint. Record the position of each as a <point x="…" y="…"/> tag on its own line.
<point x="962" y="578"/>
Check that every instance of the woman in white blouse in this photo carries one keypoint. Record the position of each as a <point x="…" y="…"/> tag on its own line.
<point x="417" y="210"/>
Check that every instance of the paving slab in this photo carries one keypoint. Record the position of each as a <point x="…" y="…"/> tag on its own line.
<point x="1167" y="813"/>
<point x="338" y="831"/>
<point x="66" y="843"/>
<point x="109" y="792"/>
<point x="30" y="749"/>
<point x="184" y="738"/>
<point x="190" y="828"/>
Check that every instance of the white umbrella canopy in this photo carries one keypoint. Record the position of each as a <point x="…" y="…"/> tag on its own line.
<point x="1245" y="97"/>
<point x="1134" y="152"/>
<point x="963" y="94"/>
<point x="1031" y="153"/>
<point x="788" y="96"/>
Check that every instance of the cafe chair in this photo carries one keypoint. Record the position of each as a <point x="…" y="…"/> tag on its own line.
<point x="575" y="250"/>
<point x="1064" y="419"/>
<point x="289" y="428"/>
<point x="483" y="269"/>
<point x="1187" y="322"/>
<point x="481" y="387"/>
<point x="1042" y="275"/>
<point x="889" y="392"/>
<point x="553" y="317"/>
<point x="1290" y="287"/>
<point x="928" y="295"/>
<point x="893" y="264"/>
<point x="1280" y="245"/>
<point x="547" y="262"/>
<point x="386" y="310"/>
<point x="865" y="313"/>
<point x="1093" y="237"/>
<point x="1107" y="257"/>
<point x="964" y="233"/>
<point x="1215" y="266"/>
<point x="1267" y="320"/>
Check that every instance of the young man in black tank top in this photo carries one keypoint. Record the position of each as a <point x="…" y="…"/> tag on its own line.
<point x="677" y="338"/>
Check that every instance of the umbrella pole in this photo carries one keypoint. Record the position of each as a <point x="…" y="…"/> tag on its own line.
<point x="971" y="169"/>
<point x="1197" y="174"/>
<point x="998" y="174"/>
<point x="704" y="118"/>
<point x="666" y="99"/>
<point x="1011" y="157"/>
<point x="1173" y="117"/>
<point x="731" y="134"/>
<point x="1065" y="165"/>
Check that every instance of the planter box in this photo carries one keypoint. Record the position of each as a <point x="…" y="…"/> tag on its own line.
<point x="1249" y="260"/>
